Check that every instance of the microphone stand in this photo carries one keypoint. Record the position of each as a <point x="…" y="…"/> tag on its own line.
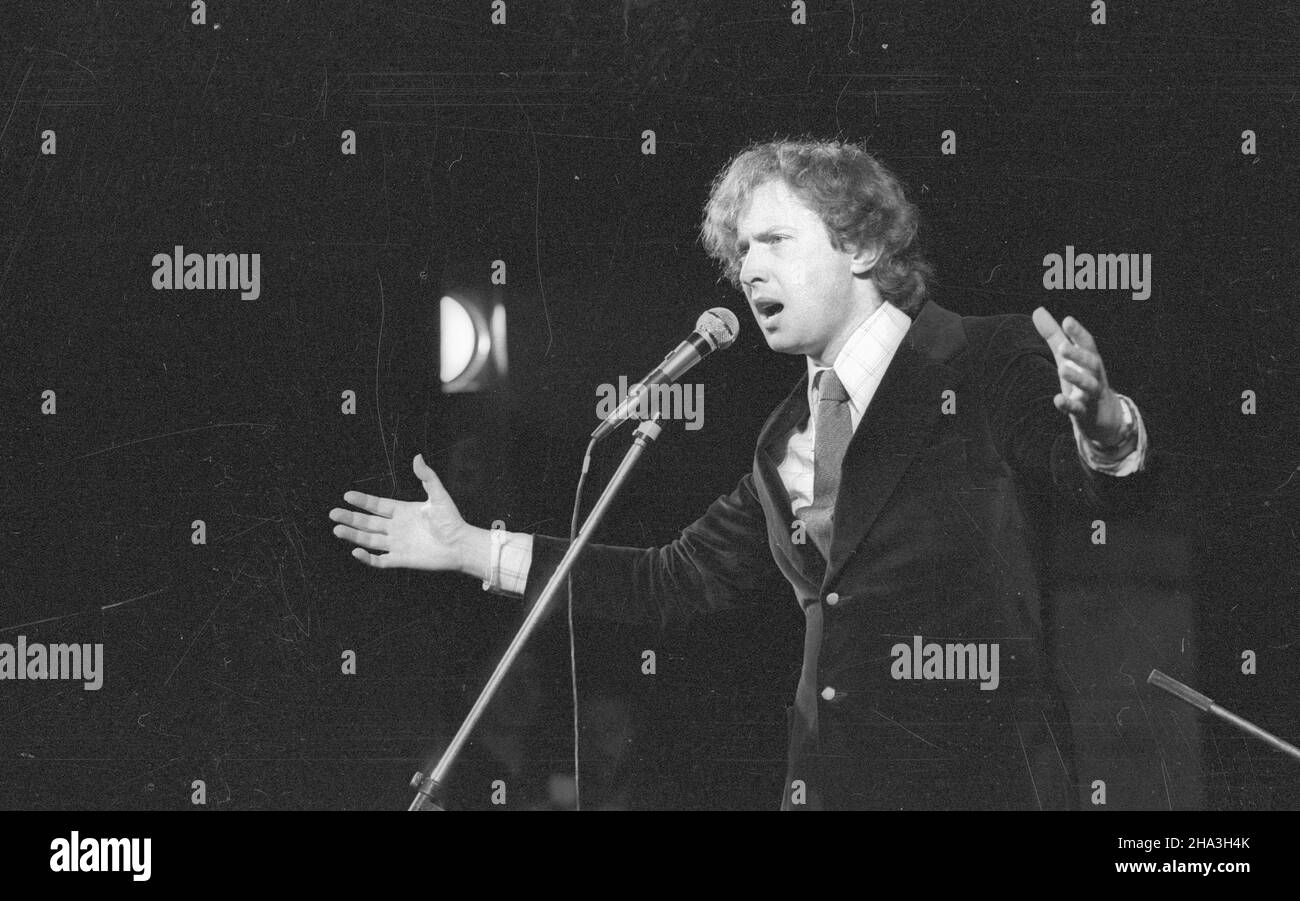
<point x="427" y="787"/>
<point x="1201" y="702"/>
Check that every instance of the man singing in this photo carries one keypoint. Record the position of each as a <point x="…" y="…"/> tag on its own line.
<point x="900" y="488"/>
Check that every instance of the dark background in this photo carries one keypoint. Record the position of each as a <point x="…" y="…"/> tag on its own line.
<point x="523" y="143"/>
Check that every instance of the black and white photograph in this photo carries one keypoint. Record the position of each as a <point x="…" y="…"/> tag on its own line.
<point x="650" y="405"/>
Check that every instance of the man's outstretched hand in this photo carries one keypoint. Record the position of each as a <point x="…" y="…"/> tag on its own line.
<point x="430" y="535"/>
<point x="1085" y="393"/>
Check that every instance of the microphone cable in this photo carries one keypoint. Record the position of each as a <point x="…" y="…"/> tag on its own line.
<point x="573" y="657"/>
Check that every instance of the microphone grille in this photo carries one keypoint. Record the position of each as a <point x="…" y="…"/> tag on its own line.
<point x="719" y="325"/>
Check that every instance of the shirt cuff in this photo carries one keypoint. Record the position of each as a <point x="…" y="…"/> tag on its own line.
<point x="511" y="575"/>
<point x="1129" y="457"/>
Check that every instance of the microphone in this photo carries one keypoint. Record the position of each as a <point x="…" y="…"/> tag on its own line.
<point x="716" y="329"/>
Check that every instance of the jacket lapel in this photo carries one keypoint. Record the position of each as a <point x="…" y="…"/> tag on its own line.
<point x="897" y="423"/>
<point x="791" y="414"/>
<point x="772" y="439"/>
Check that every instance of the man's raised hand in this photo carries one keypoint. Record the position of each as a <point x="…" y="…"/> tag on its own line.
<point x="1085" y="393"/>
<point x="430" y="535"/>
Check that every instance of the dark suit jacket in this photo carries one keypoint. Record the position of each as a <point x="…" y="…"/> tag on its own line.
<point x="936" y="525"/>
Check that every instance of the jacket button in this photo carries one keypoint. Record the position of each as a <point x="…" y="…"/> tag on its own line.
<point x="833" y="598"/>
<point x="828" y="693"/>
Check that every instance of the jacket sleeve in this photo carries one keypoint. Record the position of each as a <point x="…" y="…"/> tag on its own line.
<point x="712" y="565"/>
<point x="1019" y="379"/>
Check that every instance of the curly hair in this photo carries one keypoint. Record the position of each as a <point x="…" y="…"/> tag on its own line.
<point x="858" y="199"/>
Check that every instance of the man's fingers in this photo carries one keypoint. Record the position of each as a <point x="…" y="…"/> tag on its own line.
<point x="375" y="560"/>
<point x="1051" y="332"/>
<point x="1079" y="378"/>
<point x="1078" y="334"/>
<point x="380" y="506"/>
<point x="432" y="484"/>
<point x="372" y="540"/>
<point x="1068" y="405"/>
<point x="1089" y="360"/>
<point x="360" y="520"/>
<point x="419" y="467"/>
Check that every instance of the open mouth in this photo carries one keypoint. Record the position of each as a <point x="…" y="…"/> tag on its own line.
<point x="768" y="308"/>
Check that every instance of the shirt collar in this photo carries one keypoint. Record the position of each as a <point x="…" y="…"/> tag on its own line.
<point x="861" y="363"/>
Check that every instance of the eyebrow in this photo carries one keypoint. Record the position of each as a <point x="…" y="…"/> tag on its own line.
<point x="765" y="235"/>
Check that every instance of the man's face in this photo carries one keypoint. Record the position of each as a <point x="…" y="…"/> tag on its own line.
<point x="799" y="287"/>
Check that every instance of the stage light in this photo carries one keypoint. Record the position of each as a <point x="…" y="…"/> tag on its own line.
<point x="472" y="353"/>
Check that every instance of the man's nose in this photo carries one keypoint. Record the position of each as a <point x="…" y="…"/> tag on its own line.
<point x="752" y="268"/>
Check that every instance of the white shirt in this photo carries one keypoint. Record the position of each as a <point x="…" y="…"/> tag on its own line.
<point x="860" y="366"/>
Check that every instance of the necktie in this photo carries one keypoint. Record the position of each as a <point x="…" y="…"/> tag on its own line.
<point x="834" y="427"/>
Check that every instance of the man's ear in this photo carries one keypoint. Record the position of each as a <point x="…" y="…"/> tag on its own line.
<point x="864" y="259"/>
